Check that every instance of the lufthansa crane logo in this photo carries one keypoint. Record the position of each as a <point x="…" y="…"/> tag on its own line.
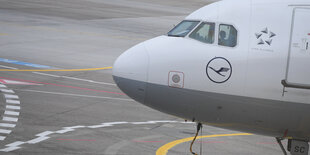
<point x="219" y="70"/>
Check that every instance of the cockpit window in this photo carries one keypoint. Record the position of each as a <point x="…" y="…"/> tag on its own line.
<point x="227" y="36"/>
<point x="183" y="28"/>
<point x="204" y="33"/>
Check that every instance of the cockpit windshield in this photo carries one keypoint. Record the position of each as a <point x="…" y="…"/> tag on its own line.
<point x="183" y="28"/>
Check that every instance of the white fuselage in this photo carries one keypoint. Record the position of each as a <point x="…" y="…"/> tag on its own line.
<point x="260" y="85"/>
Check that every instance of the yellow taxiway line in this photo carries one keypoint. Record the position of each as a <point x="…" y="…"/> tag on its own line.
<point x="53" y="70"/>
<point x="163" y="150"/>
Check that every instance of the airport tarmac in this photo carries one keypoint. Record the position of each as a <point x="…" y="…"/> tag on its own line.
<point x="53" y="100"/>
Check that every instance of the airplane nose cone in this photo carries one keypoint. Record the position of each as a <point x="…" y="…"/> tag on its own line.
<point x="130" y="72"/>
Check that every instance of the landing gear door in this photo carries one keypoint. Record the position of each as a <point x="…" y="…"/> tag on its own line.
<point x="298" y="68"/>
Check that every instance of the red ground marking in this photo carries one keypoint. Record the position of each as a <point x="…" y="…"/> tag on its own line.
<point x="59" y="85"/>
<point x="142" y="141"/>
<point x="86" y="140"/>
<point x="2" y="81"/>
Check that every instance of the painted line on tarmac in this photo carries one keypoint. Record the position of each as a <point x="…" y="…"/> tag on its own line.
<point x="77" y="95"/>
<point x="67" y="77"/>
<point x="13" y="101"/>
<point x="13" y="107"/>
<point x="6" y="91"/>
<point x="7" y="67"/>
<point x="54" y="70"/>
<point x="45" y="135"/>
<point x="9" y="96"/>
<point x="74" y="78"/>
<point x="45" y="74"/>
<point x="10" y="119"/>
<point x="163" y="150"/>
<point x="14" y="82"/>
<point x="7" y="125"/>
<point x="11" y="113"/>
<point x="24" y="63"/>
<point x="2" y="85"/>
<point x="65" y="86"/>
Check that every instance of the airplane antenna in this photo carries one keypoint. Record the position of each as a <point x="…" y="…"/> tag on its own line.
<point x="199" y="126"/>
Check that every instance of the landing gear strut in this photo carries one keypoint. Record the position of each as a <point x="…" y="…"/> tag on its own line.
<point x="279" y="140"/>
<point x="199" y="126"/>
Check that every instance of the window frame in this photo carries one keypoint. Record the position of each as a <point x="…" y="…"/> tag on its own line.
<point x="218" y="35"/>
<point x="188" y="32"/>
<point x="214" y="33"/>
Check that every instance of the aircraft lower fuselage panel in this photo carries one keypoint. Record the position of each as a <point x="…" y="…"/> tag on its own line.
<point x="226" y="111"/>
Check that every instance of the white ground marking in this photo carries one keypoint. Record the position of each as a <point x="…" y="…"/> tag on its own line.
<point x="10" y="119"/>
<point x="9" y="149"/>
<point x="2" y="137"/>
<point x="7" y="91"/>
<point x="5" y="131"/>
<point x="12" y="146"/>
<point x="2" y="86"/>
<point x="6" y="81"/>
<point x="68" y="129"/>
<point x="64" y="131"/>
<point x="75" y="127"/>
<point x="67" y="94"/>
<point x="151" y="122"/>
<point x="98" y="126"/>
<point x="11" y="113"/>
<point x="44" y="135"/>
<point x="106" y="124"/>
<point x="13" y="101"/>
<point x="10" y="96"/>
<point x="7" y="125"/>
<point x="74" y="78"/>
<point x="7" y="67"/>
<point x="140" y="123"/>
<point x="10" y="99"/>
<point x="86" y="80"/>
<point x="37" y="140"/>
<point x="13" y="107"/>
<point x="46" y="74"/>
<point x="16" y="143"/>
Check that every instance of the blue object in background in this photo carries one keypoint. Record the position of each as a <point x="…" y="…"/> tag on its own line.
<point x="24" y="63"/>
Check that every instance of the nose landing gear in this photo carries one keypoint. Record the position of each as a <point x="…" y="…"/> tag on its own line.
<point x="199" y="126"/>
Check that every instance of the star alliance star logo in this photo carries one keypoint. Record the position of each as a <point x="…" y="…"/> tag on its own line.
<point x="265" y="37"/>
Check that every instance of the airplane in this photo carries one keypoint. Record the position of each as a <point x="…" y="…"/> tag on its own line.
<point x="242" y="65"/>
